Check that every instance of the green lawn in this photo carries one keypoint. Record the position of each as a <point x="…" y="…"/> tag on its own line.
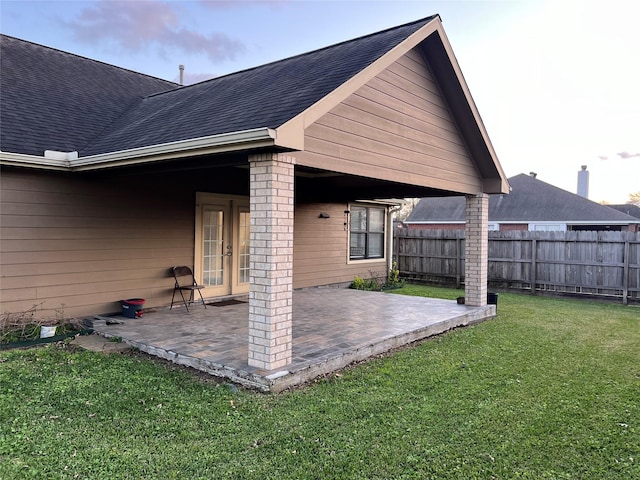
<point x="548" y="389"/>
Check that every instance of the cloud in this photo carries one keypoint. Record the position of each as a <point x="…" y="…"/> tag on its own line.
<point x="228" y="4"/>
<point x="133" y="26"/>
<point x="603" y="157"/>
<point x="628" y="155"/>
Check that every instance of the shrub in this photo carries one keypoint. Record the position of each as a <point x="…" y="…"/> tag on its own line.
<point x="362" y="284"/>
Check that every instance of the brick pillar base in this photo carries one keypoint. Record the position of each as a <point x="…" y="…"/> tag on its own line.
<point x="271" y="262"/>
<point x="476" y="250"/>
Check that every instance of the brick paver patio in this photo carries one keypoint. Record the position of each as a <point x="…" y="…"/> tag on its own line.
<point x="331" y="328"/>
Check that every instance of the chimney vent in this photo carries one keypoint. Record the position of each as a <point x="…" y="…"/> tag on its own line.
<point x="181" y="68"/>
<point x="583" y="182"/>
<point x="533" y="174"/>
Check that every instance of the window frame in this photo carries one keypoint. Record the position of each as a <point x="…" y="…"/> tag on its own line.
<point x="367" y="232"/>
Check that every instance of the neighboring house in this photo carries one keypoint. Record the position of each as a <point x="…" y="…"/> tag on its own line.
<point x="627" y="209"/>
<point x="531" y="205"/>
<point x="263" y="181"/>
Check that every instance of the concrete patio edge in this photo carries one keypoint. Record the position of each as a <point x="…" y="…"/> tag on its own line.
<point x="281" y="380"/>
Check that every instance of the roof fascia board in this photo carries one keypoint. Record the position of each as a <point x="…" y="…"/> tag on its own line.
<point x="500" y="185"/>
<point x="32" y="161"/>
<point x="599" y="222"/>
<point x="565" y="222"/>
<point x="473" y="107"/>
<point x="532" y="222"/>
<point x="294" y="128"/>
<point x="226" y="142"/>
<point x="439" y="53"/>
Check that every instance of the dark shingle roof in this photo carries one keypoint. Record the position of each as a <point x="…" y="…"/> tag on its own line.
<point x="53" y="100"/>
<point x="627" y="208"/>
<point x="531" y="200"/>
<point x="438" y="209"/>
<point x="265" y="96"/>
<point x="58" y="101"/>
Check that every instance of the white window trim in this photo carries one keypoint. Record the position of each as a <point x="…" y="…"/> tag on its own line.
<point x="547" y="227"/>
<point x="385" y="240"/>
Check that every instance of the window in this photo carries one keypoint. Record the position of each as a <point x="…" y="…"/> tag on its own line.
<point x="366" y="238"/>
<point x="547" y="227"/>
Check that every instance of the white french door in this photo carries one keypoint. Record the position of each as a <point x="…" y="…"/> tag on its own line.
<point x="222" y="244"/>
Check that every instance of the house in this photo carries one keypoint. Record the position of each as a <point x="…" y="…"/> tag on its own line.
<point x="264" y="181"/>
<point x="626" y="208"/>
<point x="531" y="205"/>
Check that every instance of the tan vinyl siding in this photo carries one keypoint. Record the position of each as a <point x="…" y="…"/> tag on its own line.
<point x="320" y="248"/>
<point x="82" y="244"/>
<point x="397" y="127"/>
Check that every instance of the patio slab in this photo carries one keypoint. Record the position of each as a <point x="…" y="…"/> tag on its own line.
<point x="332" y="328"/>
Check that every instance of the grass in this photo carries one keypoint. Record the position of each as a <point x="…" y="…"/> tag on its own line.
<point x="550" y="389"/>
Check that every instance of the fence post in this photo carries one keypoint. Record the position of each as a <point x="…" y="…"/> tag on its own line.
<point x="534" y="258"/>
<point x="458" y="261"/>
<point x="625" y="273"/>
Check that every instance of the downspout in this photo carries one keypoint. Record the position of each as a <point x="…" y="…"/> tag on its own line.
<point x="390" y="237"/>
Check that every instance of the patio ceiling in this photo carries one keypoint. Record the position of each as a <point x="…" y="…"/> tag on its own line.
<point x="312" y="185"/>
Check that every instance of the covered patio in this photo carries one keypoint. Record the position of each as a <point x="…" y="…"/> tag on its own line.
<point x="264" y="182"/>
<point x="332" y="328"/>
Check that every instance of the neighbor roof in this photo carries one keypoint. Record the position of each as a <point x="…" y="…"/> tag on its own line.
<point x="628" y="208"/>
<point x="531" y="200"/>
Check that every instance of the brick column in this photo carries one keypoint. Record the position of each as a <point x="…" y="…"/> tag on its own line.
<point x="476" y="250"/>
<point x="271" y="263"/>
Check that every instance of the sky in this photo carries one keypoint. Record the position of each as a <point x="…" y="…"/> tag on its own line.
<point x="557" y="82"/>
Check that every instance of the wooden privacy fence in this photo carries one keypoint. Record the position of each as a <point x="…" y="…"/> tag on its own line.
<point x="584" y="263"/>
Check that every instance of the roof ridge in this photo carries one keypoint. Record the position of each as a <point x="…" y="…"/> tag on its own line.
<point x="310" y="52"/>
<point x="87" y="58"/>
<point x="503" y="210"/>
<point x="524" y="175"/>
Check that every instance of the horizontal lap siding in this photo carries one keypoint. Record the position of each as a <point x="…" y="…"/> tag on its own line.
<point x="396" y="127"/>
<point x="81" y="244"/>
<point x="320" y="248"/>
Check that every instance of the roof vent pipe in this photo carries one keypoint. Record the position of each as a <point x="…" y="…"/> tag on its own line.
<point x="583" y="182"/>
<point x="181" y="68"/>
<point x="533" y="174"/>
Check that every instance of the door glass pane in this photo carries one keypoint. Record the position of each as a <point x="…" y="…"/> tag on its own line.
<point x="243" y="246"/>
<point x="212" y="249"/>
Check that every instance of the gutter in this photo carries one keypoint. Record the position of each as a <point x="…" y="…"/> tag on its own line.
<point x="390" y="233"/>
<point x="21" y="160"/>
<point x="225" y="142"/>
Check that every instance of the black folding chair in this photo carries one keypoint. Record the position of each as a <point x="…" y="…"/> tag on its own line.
<point x="186" y="281"/>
